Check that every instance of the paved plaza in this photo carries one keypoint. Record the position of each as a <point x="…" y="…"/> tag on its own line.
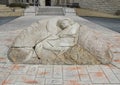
<point x="23" y="74"/>
<point x="59" y="74"/>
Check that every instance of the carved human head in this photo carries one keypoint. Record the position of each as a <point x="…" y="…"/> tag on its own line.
<point x="64" y="23"/>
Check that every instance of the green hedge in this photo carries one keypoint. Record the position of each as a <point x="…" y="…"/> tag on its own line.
<point x="22" y="5"/>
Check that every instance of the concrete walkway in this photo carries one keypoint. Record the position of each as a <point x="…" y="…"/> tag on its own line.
<point x="23" y="74"/>
<point x="113" y="24"/>
<point x="4" y="20"/>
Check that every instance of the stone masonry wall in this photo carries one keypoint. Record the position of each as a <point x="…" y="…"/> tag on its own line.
<point x="108" y="6"/>
<point x="3" y="1"/>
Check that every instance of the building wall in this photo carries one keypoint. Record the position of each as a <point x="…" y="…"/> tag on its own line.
<point x="3" y="1"/>
<point x="11" y="1"/>
<point x="107" y="6"/>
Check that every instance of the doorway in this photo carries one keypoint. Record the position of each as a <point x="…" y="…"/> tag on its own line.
<point x="47" y="2"/>
<point x="27" y="1"/>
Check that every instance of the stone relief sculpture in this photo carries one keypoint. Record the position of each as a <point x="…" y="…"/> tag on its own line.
<point x="60" y="40"/>
<point x="47" y="43"/>
<point x="59" y="43"/>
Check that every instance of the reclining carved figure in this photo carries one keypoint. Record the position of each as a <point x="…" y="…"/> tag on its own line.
<point x="60" y="40"/>
<point x="47" y="43"/>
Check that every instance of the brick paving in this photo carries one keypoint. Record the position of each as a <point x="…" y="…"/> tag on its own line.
<point x="23" y="74"/>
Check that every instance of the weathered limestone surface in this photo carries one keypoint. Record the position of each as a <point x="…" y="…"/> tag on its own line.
<point x="104" y="45"/>
<point x="30" y="36"/>
<point x="60" y="40"/>
<point x="95" y="43"/>
<point x="78" y="55"/>
<point x="23" y="55"/>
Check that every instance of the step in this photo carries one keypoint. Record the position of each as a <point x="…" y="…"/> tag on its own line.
<point x="2" y="5"/>
<point x="50" y="11"/>
<point x="70" y="11"/>
<point x="5" y="8"/>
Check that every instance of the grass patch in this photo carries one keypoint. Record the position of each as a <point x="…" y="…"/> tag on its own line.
<point x="88" y="12"/>
<point x="22" y="5"/>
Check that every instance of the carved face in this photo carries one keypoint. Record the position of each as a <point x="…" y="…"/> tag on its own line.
<point x="65" y="24"/>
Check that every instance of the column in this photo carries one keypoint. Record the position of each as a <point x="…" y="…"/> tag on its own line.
<point x="30" y="1"/>
<point x="42" y="2"/>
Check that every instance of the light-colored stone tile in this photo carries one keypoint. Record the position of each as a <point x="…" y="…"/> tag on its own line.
<point x="20" y="69"/>
<point x="107" y="66"/>
<point x="116" y="57"/>
<point x="5" y="82"/>
<point x="116" y="70"/>
<point x="118" y="76"/>
<point x="75" y="82"/>
<point x="32" y="70"/>
<point x="3" y="52"/>
<point x="49" y="66"/>
<point x="111" y="76"/>
<point x="4" y="75"/>
<point x="82" y="69"/>
<point x="85" y="78"/>
<point x="57" y="71"/>
<point x="3" y="59"/>
<point x="22" y="83"/>
<point x="98" y="77"/>
<point x="7" y="68"/>
<point x="1" y="81"/>
<point x="1" y="65"/>
<point x="24" y="78"/>
<point x="83" y="73"/>
<point x="40" y="81"/>
<point x="117" y="64"/>
<point x="70" y="72"/>
<point x="111" y="84"/>
<point x="94" y="68"/>
<point x="98" y="84"/>
<point x="12" y="78"/>
<point x="54" y="82"/>
<point x="49" y="71"/>
<point x="41" y="72"/>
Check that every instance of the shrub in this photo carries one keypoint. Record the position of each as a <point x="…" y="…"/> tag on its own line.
<point x="117" y="12"/>
<point x="73" y="5"/>
<point x="22" y="5"/>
